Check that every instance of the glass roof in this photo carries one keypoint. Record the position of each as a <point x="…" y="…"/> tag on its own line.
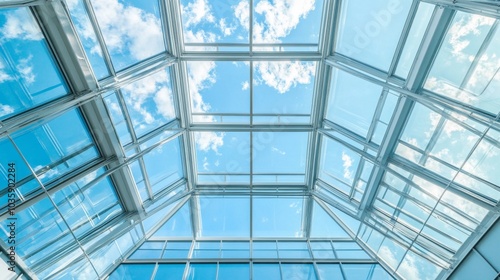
<point x="264" y="139"/>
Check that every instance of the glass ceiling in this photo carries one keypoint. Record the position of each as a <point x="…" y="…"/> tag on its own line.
<point x="261" y="139"/>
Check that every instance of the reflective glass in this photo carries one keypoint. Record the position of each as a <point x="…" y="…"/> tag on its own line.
<point x="264" y="250"/>
<point x="179" y="225"/>
<point x="322" y="250"/>
<point x="233" y="271"/>
<point x="286" y="21"/>
<point x="117" y="115"/>
<point x="277" y="216"/>
<point x="223" y="95"/>
<point x="355" y="116"/>
<point x="88" y="37"/>
<point x="338" y="165"/>
<point x="279" y="157"/>
<point x="202" y="271"/>
<point x="169" y="271"/>
<point x="206" y="250"/>
<point x="269" y="271"/>
<point x="298" y="271"/>
<point x="370" y="31"/>
<point x="86" y="205"/>
<point x="415" y="35"/>
<point x="224" y="216"/>
<point x="177" y="250"/>
<point x="471" y="49"/>
<point x="149" y="250"/>
<point x="149" y="102"/>
<point x="132" y="271"/>
<point x="52" y="150"/>
<point x="215" y="21"/>
<point x="293" y="250"/>
<point x="329" y="271"/>
<point x="235" y="250"/>
<point x="27" y="70"/>
<point x="164" y="165"/>
<point x="223" y="157"/>
<point x="325" y="226"/>
<point x="131" y="29"/>
<point x="283" y="91"/>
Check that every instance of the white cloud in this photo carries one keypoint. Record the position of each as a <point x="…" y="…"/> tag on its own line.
<point x="466" y="26"/>
<point x="283" y="75"/>
<point x="5" y="110"/>
<point x="25" y="69"/>
<point x="245" y="85"/>
<point x="3" y="75"/>
<point x="276" y="150"/>
<point x="207" y="140"/>
<point x="226" y="30"/>
<point x="90" y="177"/>
<point x="347" y="163"/>
<point x="279" y="19"/>
<point x="154" y="86"/>
<point x="241" y="11"/>
<point x="205" y="164"/>
<point x="46" y="173"/>
<point x="19" y="25"/>
<point x="126" y="27"/>
<point x="196" y="12"/>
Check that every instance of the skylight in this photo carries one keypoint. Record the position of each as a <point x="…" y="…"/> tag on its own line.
<point x="261" y="139"/>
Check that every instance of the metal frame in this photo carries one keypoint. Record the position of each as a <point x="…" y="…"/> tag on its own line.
<point x="87" y="94"/>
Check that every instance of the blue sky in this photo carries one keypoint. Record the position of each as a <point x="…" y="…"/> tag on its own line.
<point x="133" y="31"/>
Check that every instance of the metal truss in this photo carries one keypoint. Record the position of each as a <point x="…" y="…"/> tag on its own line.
<point x="87" y="94"/>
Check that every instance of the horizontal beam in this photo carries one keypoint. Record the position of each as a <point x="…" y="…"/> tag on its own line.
<point x="247" y="56"/>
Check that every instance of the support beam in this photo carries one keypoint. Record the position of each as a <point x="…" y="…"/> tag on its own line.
<point x="426" y="54"/>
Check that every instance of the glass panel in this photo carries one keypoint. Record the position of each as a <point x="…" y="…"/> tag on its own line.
<point x="276" y="153"/>
<point x="338" y="165"/>
<point x="132" y="271"/>
<point x="370" y="31"/>
<point x="489" y="246"/>
<point x="227" y="216"/>
<point x="277" y="216"/>
<point x="283" y="91"/>
<point x="177" y="250"/>
<point x="149" y="250"/>
<point x="131" y="29"/>
<point x="170" y="271"/>
<point x="287" y="22"/>
<point x="415" y="35"/>
<point x="215" y="21"/>
<point x="86" y="206"/>
<point x="471" y="48"/>
<point x="419" y="267"/>
<point x="358" y="271"/>
<point x="179" y="225"/>
<point x="350" y="250"/>
<point x="329" y="271"/>
<point x="225" y="153"/>
<point x="52" y="150"/>
<point x="225" y="96"/>
<point x="264" y="250"/>
<point x="235" y="250"/>
<point x="322" y="250"/>
<point x="206" y="250"/>
<point x="325" y="226"/>
<point x="27" y="70"/>
<point x="293" y="250"/>
<point x="88" y="37"/>
<point x="164" y="165"/>
<point x="240" y="271"/>
<point x="202" y="271"/>
<point x="149" y="102"/>
<point x="270" y="271"/>
<point x="355" y="116"/>
<point x="116" y="113"/>
<point x="298" y="271"/>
